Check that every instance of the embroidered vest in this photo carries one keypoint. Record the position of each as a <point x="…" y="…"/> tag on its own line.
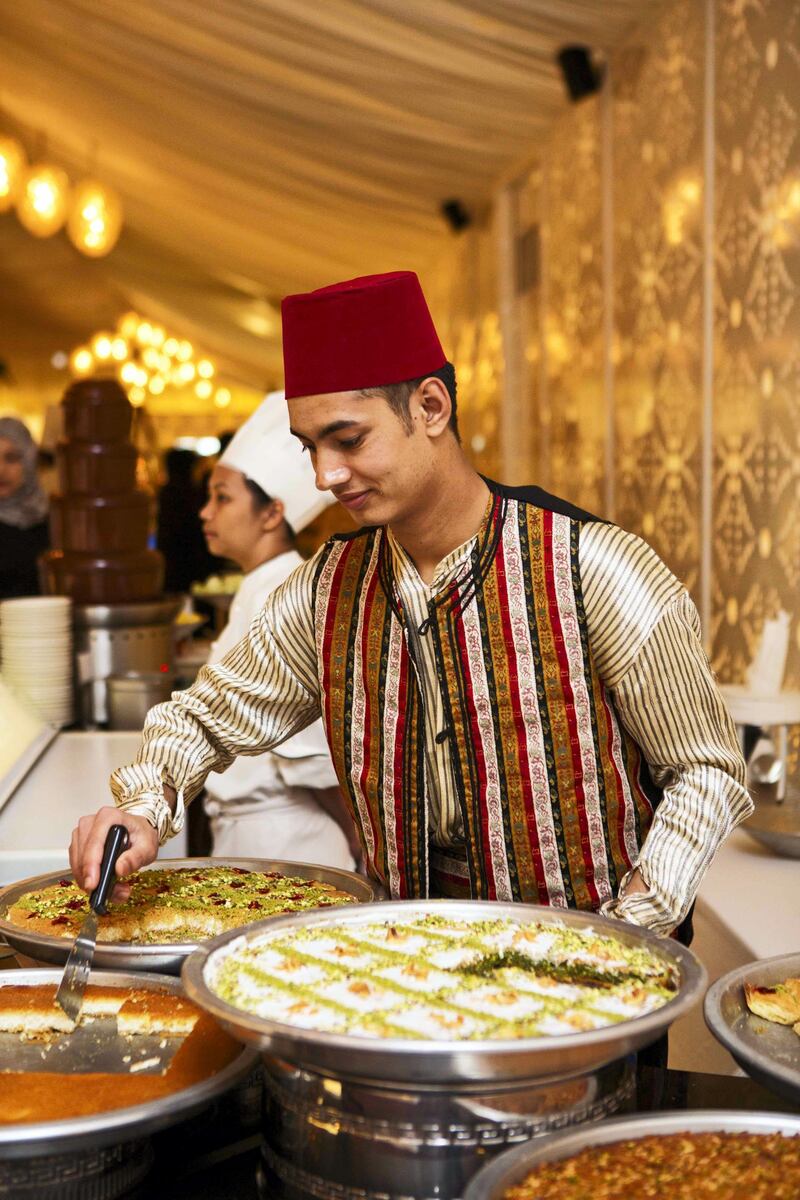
<point x="555" y="796"/>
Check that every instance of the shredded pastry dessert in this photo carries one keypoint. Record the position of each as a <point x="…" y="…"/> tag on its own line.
<point x="429" y="976"/>
<point x="678" y="1166"/>
<point x="172" y="906"/>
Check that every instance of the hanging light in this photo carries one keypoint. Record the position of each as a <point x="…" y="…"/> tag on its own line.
<point x="95" y="218"/>
<point x="42" y="203"/>
<point x="12" y="169"/>
<point x="101" y="346"/>
<point x="81" y="360"/>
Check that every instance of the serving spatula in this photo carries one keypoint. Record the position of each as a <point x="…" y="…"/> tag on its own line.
<point x="79" y="964"/>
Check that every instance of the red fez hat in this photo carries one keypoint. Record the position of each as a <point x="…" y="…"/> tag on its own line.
<point x="362" y="333"/>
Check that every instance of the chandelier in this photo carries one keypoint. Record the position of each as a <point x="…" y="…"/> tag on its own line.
<point x="45" y="201"/>
<point x="148" y="360"/>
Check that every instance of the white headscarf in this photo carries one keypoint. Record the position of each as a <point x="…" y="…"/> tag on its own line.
<point x="28" y="505"/>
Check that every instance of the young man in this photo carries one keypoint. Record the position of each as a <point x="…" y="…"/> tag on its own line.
<point x="515" y="695"/>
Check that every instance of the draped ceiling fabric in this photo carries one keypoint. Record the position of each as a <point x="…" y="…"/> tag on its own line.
<point x="268" y="146"/>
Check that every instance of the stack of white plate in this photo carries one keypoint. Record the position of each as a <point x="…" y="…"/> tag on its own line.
<point x="36" y="653"/>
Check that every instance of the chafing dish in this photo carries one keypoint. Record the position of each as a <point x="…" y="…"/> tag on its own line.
<point x="99" y="1156"/>
<point x="493" y="1181"/>
<point x="435" y="1063"/>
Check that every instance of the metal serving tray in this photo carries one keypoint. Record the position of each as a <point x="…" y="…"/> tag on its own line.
<point x="165" y="957"/>
<point x="98" y="1047"/>
<point x="434" y="1063"/>
<point x="770" y="1053"/>
<point x="494" y="1180"/>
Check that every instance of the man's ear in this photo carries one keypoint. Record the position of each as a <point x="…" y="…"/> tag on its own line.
<point x="272" y="516"/>
<point x="431" y="406"/>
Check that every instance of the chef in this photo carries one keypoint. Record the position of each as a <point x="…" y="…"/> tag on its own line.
<point x="284" y="804"/>
<point x="514" y="692"/>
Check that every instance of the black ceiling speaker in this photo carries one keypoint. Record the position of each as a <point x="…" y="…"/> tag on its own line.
<point x="456" y="215"/>
<point x="581" y="76"/>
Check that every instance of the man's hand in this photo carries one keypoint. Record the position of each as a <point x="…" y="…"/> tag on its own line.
<point x="86" y="848"/>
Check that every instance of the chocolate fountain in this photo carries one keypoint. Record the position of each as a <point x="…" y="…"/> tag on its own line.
<point x="98" y="526"/>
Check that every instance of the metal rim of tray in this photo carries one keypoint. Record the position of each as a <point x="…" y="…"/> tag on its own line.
<point x="433" y="1063"/>
<point x="165" y="957"/>
<point x="779" y="841"/>
<point x="748" y="1037"/>
<point x="118" y="1124"/>
<point x="510" y="1168"/>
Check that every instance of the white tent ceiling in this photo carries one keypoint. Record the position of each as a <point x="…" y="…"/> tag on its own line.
<point x="266" y="146"/>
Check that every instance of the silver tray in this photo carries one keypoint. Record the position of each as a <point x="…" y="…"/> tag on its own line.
<point x="492" y="1182"/>
<point x="120" y="1124"/>
<point x="770" y="1053"/>
<point x="434" y="1063"/>
<point x="165" y="957"/>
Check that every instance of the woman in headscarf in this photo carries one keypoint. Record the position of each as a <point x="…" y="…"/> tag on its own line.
<point x="24" y="530"/>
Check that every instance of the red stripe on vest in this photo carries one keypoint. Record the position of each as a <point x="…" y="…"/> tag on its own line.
<point x="397" y="798"/>
<point x="368" y="602"/>
<point x="519" y="725"/>
<point x="569" y="709"/>
<point x="480" y="761"/>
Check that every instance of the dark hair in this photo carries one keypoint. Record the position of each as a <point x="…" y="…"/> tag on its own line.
<point x="261" y="501"/>
<point x="398" y="395"/>
<point x="180" y="464"/>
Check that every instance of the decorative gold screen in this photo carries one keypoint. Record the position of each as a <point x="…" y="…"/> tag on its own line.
<point x="656" y="347"/>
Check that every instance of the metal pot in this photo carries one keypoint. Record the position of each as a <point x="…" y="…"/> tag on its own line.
<point x="131" y="696"/>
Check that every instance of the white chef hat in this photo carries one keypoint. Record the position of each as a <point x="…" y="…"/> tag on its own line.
<point x="265" y="450"/>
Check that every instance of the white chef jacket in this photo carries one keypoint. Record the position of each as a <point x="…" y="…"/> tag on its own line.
<point x="264" y="806"/>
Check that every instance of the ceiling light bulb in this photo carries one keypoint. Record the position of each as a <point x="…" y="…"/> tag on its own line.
<point x="42" y="203"/>
<point x="95" y="218"/>
<point x="203" y="388"/>
<point x="128" y="324"/>
<point x="205" y="369"/>
<point x="81" y="360"/>
<point x="101" y="346"/>
<point x="12" y="170"/>
<point x="222" y="397"/>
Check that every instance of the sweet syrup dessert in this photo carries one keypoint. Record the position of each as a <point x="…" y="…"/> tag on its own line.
<point x="31" y="1012"/>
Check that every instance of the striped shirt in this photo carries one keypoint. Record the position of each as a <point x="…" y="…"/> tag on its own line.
<point x="644" y="635"/>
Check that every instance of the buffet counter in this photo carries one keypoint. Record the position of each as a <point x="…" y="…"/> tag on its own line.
<point x="68" y="781"/>
<point x="214" y="1158"/>
<point x="749" y="890"/>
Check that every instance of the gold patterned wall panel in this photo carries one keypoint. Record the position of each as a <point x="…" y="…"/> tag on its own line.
<point x="572" y="328"/>
<point x="658" y="80"/>
<point x="462" y="293"/>
<point x="756" y="478"/>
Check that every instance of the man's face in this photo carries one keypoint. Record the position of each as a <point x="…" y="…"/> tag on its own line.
<point x="376" y="467"/>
